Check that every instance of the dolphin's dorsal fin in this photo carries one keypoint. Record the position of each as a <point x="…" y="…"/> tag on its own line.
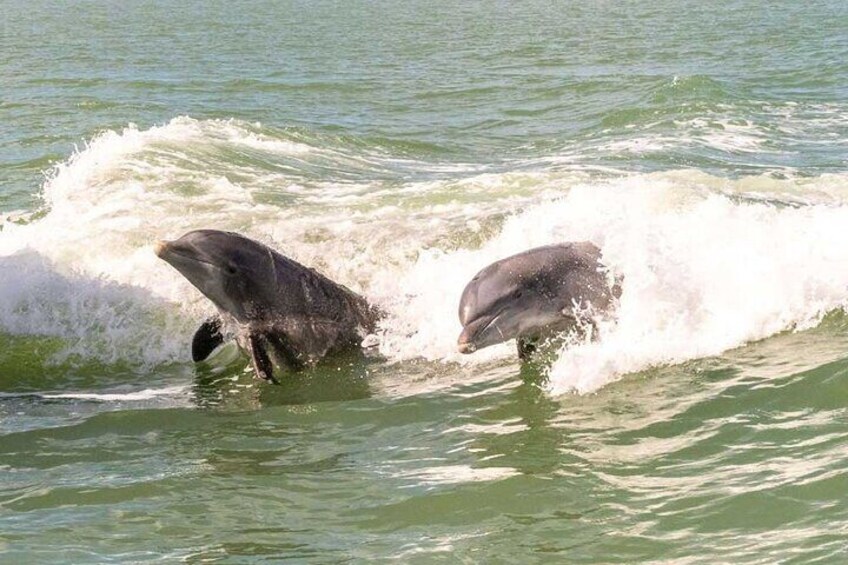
<point x="207" y="338"/>
<point x="259" y="357"/>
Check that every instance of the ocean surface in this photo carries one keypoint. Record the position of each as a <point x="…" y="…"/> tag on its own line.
<point x="399" y="147"/>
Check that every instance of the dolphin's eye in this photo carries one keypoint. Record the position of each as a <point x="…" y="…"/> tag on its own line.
<point x="231" y="269"/>
<point x="518" y="293"/>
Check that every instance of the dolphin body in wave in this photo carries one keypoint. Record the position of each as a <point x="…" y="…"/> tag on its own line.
<point x="534" y="295"/>
<point x="286" y="314"/>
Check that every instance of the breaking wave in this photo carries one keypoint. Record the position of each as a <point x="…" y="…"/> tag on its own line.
<point x="709" y="263"/>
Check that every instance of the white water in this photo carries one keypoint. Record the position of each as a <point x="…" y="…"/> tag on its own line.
<point x="146" y="394"/>
<point x="708" y="263"/>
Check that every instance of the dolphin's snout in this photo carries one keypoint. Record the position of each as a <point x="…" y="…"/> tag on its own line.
<point x="160" y="247"/>
<point x="479" y="333"/>
<point x="465" y="343"/>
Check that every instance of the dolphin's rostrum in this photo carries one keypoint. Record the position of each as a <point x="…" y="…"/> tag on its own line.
<point x="533" y="295"/>
<point x="285" y="313"/>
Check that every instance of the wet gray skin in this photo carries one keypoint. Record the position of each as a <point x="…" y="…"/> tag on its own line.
<point x="532" y="295"/>
<point x="285" y="313"/>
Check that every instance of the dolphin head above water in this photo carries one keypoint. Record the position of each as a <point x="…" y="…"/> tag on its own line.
<point x="532" y="294"/>
<point x="236" y="273"/>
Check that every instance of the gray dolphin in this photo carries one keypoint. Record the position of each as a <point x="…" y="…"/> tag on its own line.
<point x="532" y="295"/>
<point x="283" y="311"/>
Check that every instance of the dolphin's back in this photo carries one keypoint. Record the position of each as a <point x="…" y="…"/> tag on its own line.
<point x="304" y="292"/>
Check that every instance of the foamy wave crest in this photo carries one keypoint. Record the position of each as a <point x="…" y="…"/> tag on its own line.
<point x="85" y="271"/>
<point x="708" y="263"/>
<point x="707" y="266"/>
<point x="703" y="273"/>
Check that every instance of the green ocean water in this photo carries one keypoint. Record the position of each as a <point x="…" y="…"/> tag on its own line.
<point x="399" y="147"/>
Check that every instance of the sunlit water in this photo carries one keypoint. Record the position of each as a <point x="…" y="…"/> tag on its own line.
<point x="399" y="148"/>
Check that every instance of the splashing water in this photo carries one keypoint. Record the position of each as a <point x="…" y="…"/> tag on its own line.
<point x="709" y="264"/>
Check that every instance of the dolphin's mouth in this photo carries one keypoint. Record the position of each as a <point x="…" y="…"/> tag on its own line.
<point x="165" y="250"/>
<point x="467" y="339"/>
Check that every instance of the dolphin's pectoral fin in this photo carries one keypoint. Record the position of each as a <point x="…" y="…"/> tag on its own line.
<point x="207" y="338"/>
<point x="259" y="357"/>
<point x="284" y="353"/>
<point x="526" y="347"/>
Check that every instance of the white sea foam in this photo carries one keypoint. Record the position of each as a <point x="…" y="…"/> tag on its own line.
<point x="708" y="263"/>
<point x="146" y="394"/>
<point x="702" y="275"/>
<point x="703" y="272"/>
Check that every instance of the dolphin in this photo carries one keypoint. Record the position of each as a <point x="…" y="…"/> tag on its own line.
<point x="285" y="314"/>
<point x="533" y="295"/>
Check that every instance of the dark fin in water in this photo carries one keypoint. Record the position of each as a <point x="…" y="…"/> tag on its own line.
<point x="284" y="352"/>
<point x="207" y="338"/>
<point x="259" y="357"/>
<point x="526" y="347"/>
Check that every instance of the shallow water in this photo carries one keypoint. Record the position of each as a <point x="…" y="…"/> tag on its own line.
<point x="399" y="148"/>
